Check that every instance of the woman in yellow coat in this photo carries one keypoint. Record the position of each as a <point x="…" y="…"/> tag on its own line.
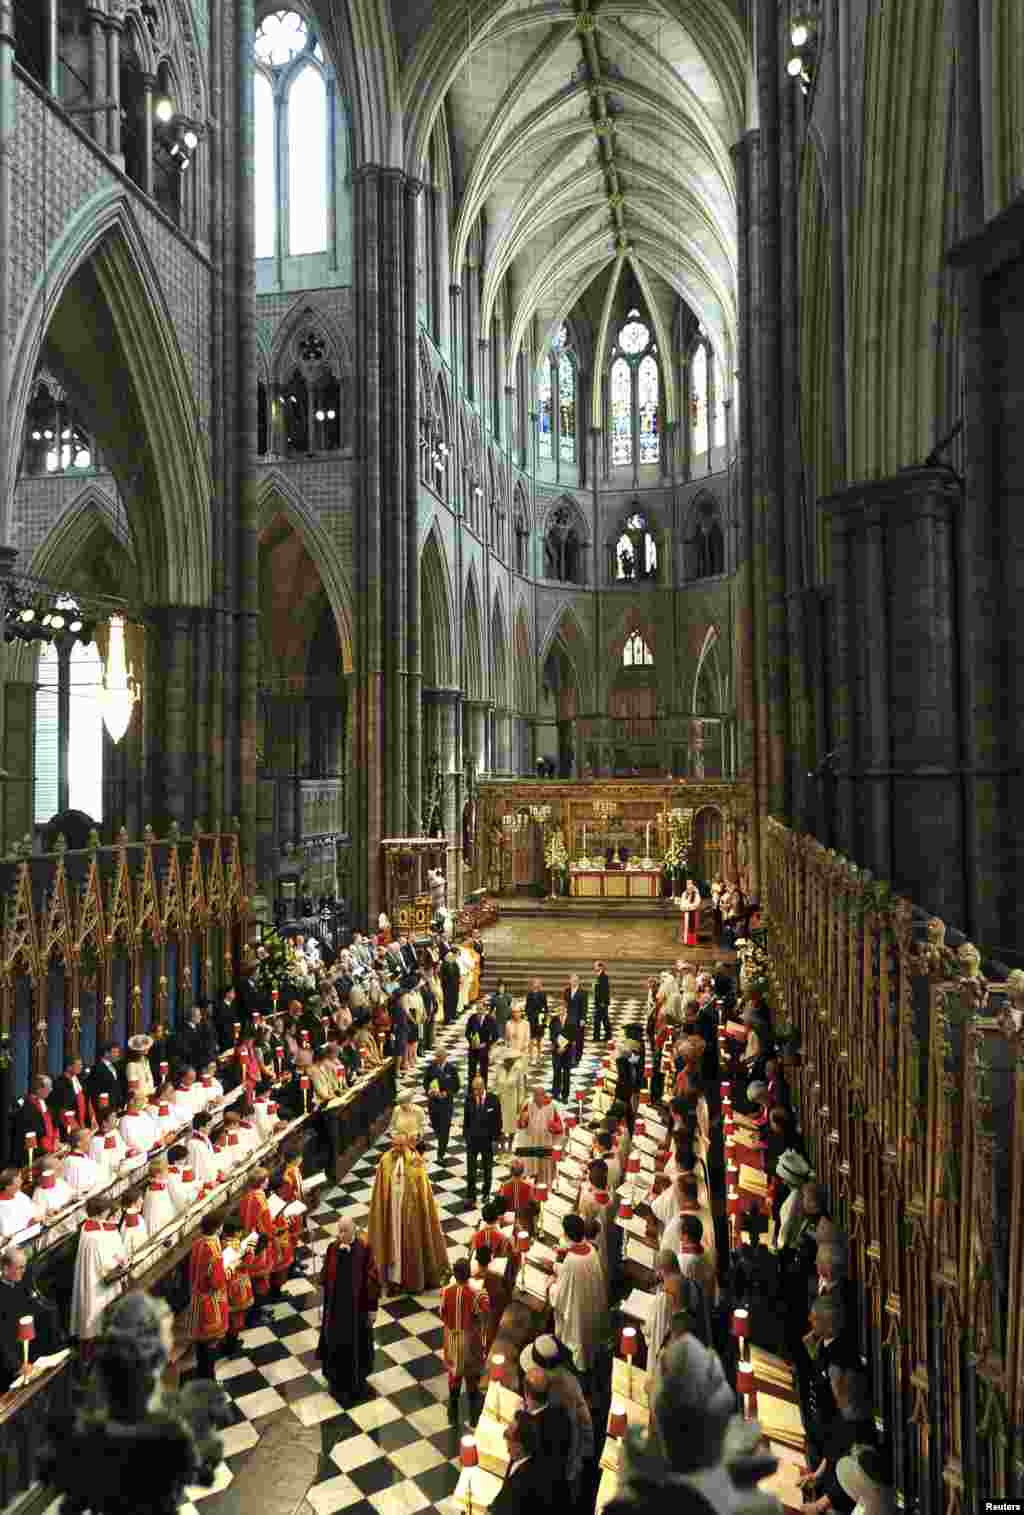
<point x="404" y="1229"/>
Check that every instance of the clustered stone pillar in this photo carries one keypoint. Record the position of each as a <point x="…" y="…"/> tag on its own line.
<point x="899" y="782"/>
<point x="98" y="74"/>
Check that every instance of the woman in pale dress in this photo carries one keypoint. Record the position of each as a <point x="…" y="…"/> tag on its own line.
<point x="517" y="1032"/>
<point x="509" y="1084"/>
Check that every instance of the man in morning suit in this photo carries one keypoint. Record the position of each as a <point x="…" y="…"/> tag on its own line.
<point x="481" y="1128"/>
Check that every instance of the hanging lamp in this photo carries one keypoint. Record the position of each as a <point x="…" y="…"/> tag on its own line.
<point x="118" y="692"/>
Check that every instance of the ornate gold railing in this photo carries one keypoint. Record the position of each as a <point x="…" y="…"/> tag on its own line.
<point x="147" y="924"/>
<point x="910" y="1083"/>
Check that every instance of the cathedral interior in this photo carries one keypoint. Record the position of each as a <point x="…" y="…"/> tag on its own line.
<point x="424" y="424"/>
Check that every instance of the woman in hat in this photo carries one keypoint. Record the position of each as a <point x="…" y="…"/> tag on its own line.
<point x="862" y="1476"/>
<point x="137" y="1070"/>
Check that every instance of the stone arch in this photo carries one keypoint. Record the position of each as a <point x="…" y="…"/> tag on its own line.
<point x="708" y="857"/>
<point x="91" y="510"/>
<point x="524" y="665"/>
<point x="565" y="633"/>
<point x="500" y="692"/>
<point x="102" y="295"/>
<point x="277" y="497"/>
<point x="472" y="641"/>
<point x="566" y="542"/>
<point x="704" y="537"/>
<point x="436" y="618"/>
<point x="313" y="314"/>
<point x="360" y="39"/>
<point x="710" y="684"/>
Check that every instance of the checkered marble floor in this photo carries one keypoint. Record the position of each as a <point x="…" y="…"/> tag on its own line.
<point x="394" y="1453"/>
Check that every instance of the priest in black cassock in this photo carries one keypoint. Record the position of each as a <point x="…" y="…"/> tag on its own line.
<point x="351" y="1285"/>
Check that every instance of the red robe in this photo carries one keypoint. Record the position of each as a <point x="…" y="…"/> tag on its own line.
<point x="517" y="1193"/>
<point x="490" y="1236"/>
<point x="290" y="1190"/>
<point x="208" y="1315"/>
<point x="464" y="1316"/>
<point x="255" y="1216"/>
<point x="240" y="1292"/>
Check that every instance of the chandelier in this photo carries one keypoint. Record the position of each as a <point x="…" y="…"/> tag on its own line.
<point x="540" y="814"/>
<point x="605" y="809"/>
<point x="118" y="692"/>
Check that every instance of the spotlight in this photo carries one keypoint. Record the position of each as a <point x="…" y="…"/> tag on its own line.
<point x="75" y="625"/>
<point x="800" y="34"/>
<point x="27" y="615"/>
<point x="163" y="110"/>
<point x="57" y="622"/>
<point x="321" y="416"/>
<point x="794" y="68"/>
<point x="331" y="415"/>
<point x="65" y="434"/>
<point x="47" y="618"/>
<point x="37" y="436"/>
<point x="191" y="141"/>
<point x="48" y="436"/>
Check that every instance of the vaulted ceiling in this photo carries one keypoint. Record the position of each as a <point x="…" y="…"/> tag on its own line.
<point x="584" y="137"/>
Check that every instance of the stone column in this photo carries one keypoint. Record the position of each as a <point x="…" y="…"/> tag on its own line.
<point x="53" y="48"/>
<point x="148" y="86"/>
<point x="114" y="27"/>
<point x="899" y="795"/>
<point x="414" y="653"/>
<point x="98" y="74"/>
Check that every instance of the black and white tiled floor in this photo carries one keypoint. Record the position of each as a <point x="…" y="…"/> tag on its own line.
<point x="394" y="1453"/>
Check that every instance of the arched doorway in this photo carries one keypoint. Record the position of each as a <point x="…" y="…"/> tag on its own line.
<point x="708" y="843"/>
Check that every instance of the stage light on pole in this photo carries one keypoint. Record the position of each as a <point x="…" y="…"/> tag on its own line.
<point x="163" y="110"/>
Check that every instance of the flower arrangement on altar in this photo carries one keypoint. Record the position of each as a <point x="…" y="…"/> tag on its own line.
<point x="555" y="855"/>
<point x="676" y="856"/>
<point x="754" y="967"/>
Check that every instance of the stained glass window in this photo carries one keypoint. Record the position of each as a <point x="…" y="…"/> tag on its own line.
<point x="265" y="167"/>
<point x="307" y="161"/>
<point x="634" y="336"/>
<point x="545" y="419"/>
<point x="647" y="404"/>
<point x="699" y="401"/>
<point x="566" y="409"/>
<point x="281" y="37"/>
<point x="622" y="413"/>
<point x="636" y="653"/>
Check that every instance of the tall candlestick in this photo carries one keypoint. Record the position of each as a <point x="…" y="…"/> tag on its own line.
<point x="647" y="840"/>
<point x="584" y="838"/>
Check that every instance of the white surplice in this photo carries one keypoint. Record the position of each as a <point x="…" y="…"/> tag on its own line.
<point x="99" y="1252"/>
<point x="579" y="1299"/>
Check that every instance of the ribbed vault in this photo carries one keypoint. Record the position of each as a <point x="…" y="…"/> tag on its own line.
<point x="584" y="134"/>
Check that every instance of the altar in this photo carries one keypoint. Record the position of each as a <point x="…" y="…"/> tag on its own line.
<point x="615" y="883"/>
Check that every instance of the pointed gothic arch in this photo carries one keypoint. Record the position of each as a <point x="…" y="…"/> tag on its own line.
<point x="91" y="510"/>
<point x="472" y="641"/>
<point x="565" y="633"/>
<point x="524" y="664"/>
<point x="278" y="497"/>
<point x="710" y="684"/>
<point x="103" y="297"/>
<point x="436" y="618"/>
<point x="500" y="692"/>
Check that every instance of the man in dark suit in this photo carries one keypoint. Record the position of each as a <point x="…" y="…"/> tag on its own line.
<point x="561" y="1056"/>
<point x="554" y="1424"/>
<point x="34" y="1115"/>
<point x="602" y="1001"/>
<point x="451" y="980"/>
<point x="481" y="1129"/>
<point x="229" y="1011"/>
<point x="407" y="954"/>
<point x="576" y="1016"/>
<point x="17" y="1299"/>
<point x="107" y="1077"/>
<point x="198" y="1039"/>
<point x="68" y="1098"/>
<point x="527" y="1486"/>
<point x="441" y="1082"/>
<point x="481" y="1033"/>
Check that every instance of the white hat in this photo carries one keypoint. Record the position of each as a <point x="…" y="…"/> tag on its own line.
<point x="861" y="1476"/>
<point x="140" y="1043"/>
